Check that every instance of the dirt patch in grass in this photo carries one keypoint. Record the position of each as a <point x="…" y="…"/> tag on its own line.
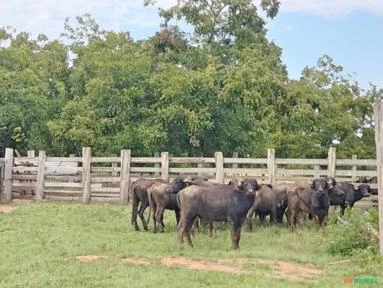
<point x="282" y="269"/>
<point x="201" y="265"/>
<point x="136" y="261"/>
<point x="7" y="208"/>
<point x="294" y="271"/>
<point x="89" y="258"/>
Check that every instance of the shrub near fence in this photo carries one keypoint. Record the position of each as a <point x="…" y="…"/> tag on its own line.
<point x="105" y="179"/>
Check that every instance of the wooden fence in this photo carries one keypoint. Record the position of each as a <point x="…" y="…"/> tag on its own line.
<point x="93" y="179"/>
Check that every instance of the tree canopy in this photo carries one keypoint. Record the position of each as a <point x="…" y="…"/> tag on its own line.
<point x="221" y="87"/>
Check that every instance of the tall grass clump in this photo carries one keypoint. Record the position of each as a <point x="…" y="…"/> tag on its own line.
<point x="355" y="232"/>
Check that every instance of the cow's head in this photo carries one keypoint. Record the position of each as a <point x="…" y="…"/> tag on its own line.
<point x="331" y="182"/>
<point x="320" y="186"/>
<point x="250" y="186"/>
<point x="364" y="190"/>
<point x="178" y="184"/>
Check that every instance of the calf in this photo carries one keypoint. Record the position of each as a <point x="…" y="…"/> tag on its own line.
<point x="159" y="200"/>
<point x="305" y="198"/>
<point x="280" y="192"/>
<point x="299" y="199"/>
<point x="216" y="203"/>
<point x="140" y="200"/>
<point x="264" y="204"/>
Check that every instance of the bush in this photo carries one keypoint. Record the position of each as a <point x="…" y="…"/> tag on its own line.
<point x="354" y="232"/>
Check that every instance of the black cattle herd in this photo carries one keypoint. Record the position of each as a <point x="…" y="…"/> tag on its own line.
<point x="196" y="200"/>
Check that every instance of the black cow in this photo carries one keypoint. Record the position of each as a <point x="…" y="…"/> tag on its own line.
<point x="320" y="201"/>
<point x="371" y="180"/>
<point x="180" y="183"/>
<point x="216" y="203"/>
<point x="349" y="195"/>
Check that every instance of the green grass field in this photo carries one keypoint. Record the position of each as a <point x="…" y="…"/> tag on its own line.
<point x="40" y="243"/>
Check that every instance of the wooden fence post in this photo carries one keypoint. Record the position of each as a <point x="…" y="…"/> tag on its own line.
<point x="235" y="155"/>
<point x="7" y="183"/>
<point x="125" y="176"/>
<point x="86" y="186"/>
<point x="114" y="166"/>
<point x="316" y="171"/>
<point x="378" y="117"/>
<point x="40" y="177"/>
<point x="271" y="167"/>
<point x="354" y="168"/>
<point x="219" y="171"/>
<point x="331" y="162"/>
<point x="157" y="165"/>
<point x="165" y="166"/>
<point x="31" y="153"/>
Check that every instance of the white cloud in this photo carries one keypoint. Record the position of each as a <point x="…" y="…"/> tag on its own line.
<point x="332" y="8"/>
<point x="47" y="16"/>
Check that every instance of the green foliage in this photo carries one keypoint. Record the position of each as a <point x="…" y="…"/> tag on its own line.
<point x="222" y="88"/>
<point x="354" y="233"/>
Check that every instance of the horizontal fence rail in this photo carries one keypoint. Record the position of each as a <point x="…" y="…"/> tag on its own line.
<point x="104" y="179"/>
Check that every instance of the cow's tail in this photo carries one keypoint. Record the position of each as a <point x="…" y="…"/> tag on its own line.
<point x="179" y="200"/>
<point x="151" y="203"/>
<point x="134" y="204"/>
<point x="130" y="190"/>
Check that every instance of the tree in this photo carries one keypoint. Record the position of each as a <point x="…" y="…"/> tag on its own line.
<point x="32" y="86"/>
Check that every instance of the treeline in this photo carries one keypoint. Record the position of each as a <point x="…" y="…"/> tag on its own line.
<point x="221" y="88"/>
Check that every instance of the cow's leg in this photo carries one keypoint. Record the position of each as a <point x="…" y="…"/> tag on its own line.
<point x="177" y="213"/>
<point x="235" y="233"/>
<point x="211" y="227"/>
<point x="188" y="228"/>
<point x="342" y="208"/>
<point x="159" y="216"/>
<point x="249" y="218"/>
<point x="287" y="213"/>
<point x="273" y="215"/>
<point x="292" y="218"/>
<point x="162" y="218"/>
<point x="196" y="225"/>
<point x="141" y="211"/>
<point x="154" y="212"/>
<point x="135" y="207"/>
<point x="181" y="229"/>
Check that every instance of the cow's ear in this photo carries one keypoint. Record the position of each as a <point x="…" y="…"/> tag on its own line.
<point x="271" y="186"/>
<point x="234" y="182"/>
<point x="331" y="182"/>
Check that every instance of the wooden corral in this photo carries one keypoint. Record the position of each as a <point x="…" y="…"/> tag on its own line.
<point x="91" y="179"/>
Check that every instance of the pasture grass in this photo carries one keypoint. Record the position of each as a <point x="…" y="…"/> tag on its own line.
<point x="39" y="243"/>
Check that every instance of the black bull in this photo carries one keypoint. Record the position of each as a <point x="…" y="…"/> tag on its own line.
<point x="216" y="203"/>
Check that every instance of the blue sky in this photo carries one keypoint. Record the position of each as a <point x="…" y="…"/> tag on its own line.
<point x="354" y="41"/>
<point x="349" y="31"/>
